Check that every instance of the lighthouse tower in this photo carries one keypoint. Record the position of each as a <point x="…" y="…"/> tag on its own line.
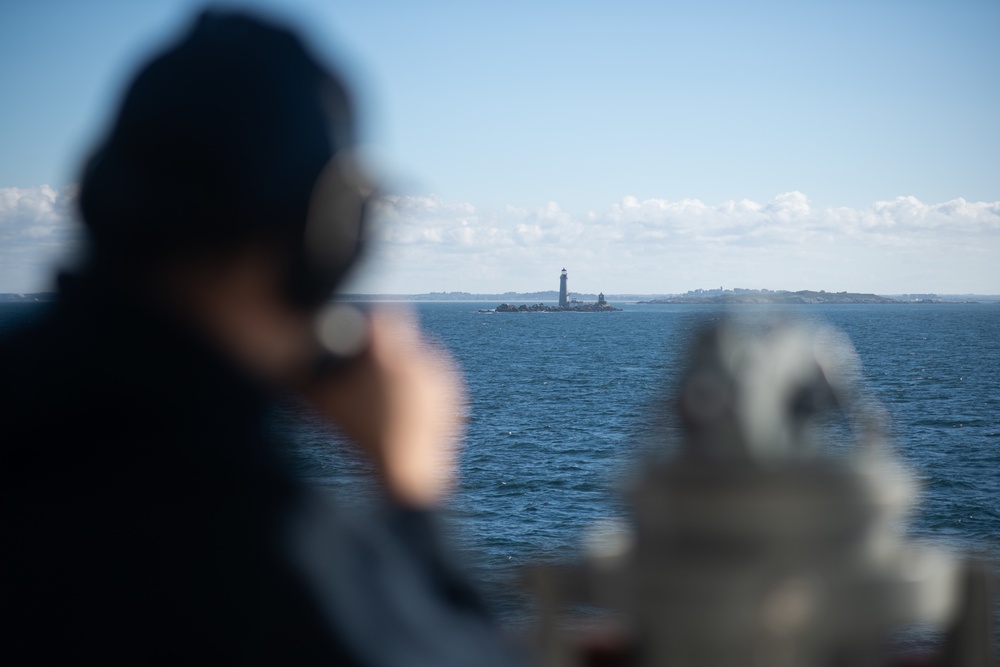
<point x="563" y="294"/>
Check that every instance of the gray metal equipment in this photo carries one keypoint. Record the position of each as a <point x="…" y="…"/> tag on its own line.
<point x="773" y="537"/>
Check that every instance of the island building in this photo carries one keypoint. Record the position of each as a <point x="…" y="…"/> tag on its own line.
<point x="565" y="303"/>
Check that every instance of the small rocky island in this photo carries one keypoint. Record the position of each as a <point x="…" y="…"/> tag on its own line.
<point x="599" y="307"/>
<point x="566" y="305"/>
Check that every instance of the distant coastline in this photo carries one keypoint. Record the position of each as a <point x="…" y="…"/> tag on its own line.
<point x="32" y="296"/>
<point x="710" y="297"/>
<point x="782" y="297"/>
<point x="717" y="297"/>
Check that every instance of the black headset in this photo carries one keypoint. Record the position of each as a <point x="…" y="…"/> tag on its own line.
<point x="236" y="130"/>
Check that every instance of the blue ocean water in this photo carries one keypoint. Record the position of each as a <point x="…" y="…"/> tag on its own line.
<point x="562" y="406"/>
<point x="565" y="405"/>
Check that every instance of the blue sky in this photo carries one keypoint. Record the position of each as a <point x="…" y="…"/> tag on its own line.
<point x="646" y="146"/>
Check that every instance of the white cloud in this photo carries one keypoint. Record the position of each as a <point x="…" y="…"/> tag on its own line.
<point x="656" y="245"/>
<point x="424" y="243"/>
<point x="788" y="206"/>
<point x="36" y="233"/>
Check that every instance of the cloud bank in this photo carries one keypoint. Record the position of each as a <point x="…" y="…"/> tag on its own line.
<point x="426" y="244"/>
<point x="36" y="235"/>
<point x="661" y="246"/>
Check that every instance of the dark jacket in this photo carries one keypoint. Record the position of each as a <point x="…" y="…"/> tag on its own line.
<point x="147" y="516"/>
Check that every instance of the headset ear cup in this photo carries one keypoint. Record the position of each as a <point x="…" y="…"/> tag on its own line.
<point x="333" y="236"/>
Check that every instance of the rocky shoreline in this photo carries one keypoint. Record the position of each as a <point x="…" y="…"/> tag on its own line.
<point x="542" y="308"/>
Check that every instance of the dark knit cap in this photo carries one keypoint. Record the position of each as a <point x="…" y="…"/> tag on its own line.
<point x="219" y="139"/>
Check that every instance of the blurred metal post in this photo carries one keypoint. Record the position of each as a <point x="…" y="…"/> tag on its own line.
<point x="763" y="543"/>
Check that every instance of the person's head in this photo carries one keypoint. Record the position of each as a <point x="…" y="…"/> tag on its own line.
<point x="233" y="137"/>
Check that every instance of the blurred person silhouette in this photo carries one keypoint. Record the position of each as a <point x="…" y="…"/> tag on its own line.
<point x="148" y="514"/>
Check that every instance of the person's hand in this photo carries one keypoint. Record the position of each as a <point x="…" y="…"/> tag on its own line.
<point x="402" y="403"/>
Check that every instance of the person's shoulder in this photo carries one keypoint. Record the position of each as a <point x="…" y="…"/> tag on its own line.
<point x="24" y="348"/>
<point x="50" y="370"/>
